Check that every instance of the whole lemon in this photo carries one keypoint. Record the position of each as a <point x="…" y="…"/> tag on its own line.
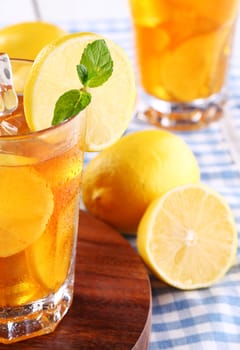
<point x="121" y="181"/>
<point x="26" y="39"/>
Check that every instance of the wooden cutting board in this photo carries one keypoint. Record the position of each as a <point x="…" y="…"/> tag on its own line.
<point x="112" y="300"/>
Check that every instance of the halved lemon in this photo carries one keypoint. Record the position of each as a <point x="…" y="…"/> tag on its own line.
<point x="188" y="237"/>
<point x="54" y="72"/>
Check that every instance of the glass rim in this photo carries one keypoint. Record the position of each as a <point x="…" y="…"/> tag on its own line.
<point x="37" y="133"/>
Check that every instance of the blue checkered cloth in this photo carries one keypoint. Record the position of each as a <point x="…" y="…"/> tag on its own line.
<point x="206" y="319"/>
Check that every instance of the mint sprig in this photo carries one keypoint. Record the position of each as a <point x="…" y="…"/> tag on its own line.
<point x="96" y="65"/>
<point x="95" y="68"/>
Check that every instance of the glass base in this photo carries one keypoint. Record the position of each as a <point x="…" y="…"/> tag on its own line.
<point x="182" y="116"/>
<point x="38" y="318"/>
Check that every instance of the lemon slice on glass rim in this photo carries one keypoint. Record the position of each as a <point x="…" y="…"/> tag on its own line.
<point x="54" y="72"/>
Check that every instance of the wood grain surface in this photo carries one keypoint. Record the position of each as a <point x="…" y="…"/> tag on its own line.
<point x="112" y="300"/>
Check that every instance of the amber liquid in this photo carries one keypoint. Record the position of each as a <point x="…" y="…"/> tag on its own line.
<point x="183" y="46"/>
<point x="38" y="216"/>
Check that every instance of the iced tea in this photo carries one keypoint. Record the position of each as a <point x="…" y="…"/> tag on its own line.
<point x="183" y="46"/>
<point x="39" y="191"/>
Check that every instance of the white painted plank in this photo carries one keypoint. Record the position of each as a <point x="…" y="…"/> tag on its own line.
<point x="12" y="11"/>
<point x="63" y="10"/>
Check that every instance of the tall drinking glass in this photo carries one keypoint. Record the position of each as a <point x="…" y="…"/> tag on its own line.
<point x="183" y="50"/>
<point x="39" y="207"/>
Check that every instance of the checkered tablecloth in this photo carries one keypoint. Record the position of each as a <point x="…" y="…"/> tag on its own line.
<point x="206" y="319"/>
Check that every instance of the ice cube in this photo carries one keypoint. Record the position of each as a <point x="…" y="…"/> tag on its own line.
<point x="7" y="128"/>
<point x="8" y="96"/>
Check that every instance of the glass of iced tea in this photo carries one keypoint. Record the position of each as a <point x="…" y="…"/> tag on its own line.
<point x="39" y="208"/>
<point x="183" y="50"/>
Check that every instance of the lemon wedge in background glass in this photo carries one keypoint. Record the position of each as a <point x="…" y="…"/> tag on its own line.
<point x="183" y="62"/>
<point x="54" y="72"/>
<point x="26" y="39"/>
<point x="188" y="237"/>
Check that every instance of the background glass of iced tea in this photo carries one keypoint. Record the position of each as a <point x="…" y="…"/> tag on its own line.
<point x="183" y="50"/>
<point x="39" y="206"/>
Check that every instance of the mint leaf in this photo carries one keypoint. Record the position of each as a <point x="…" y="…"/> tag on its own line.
<point x="97" y="60"/>
<point x="96" y="66"/>
<point x="70" y="104"/>
<point x="82" y="73"/>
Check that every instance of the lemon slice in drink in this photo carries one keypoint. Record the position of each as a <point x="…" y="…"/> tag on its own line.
<point x="25" y="208"/>
<point x="54" y="72"/>
<point x="188" y="237"/>
<point x="50" y="255"/>
<point x="13" y="160"/>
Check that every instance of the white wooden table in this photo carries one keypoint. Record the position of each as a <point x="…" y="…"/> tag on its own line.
<point x="60" y="10"/>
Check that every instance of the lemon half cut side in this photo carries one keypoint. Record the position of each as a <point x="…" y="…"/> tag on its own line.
<point x="54" y="72"/>
<point x="188" y="237"/>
